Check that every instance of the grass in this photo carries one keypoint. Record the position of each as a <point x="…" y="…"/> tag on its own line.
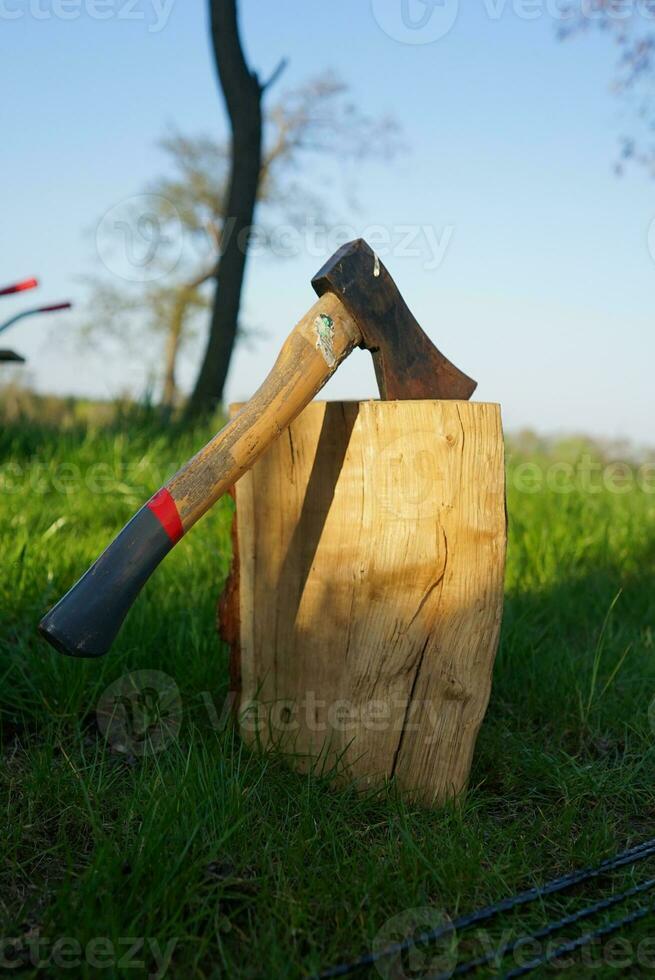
<point x="224" y="859"/>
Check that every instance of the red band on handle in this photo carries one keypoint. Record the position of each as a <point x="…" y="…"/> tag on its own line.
<point x="53" y="309"/>
<point x="165" y="510"/>
<point x="19" y="287"/>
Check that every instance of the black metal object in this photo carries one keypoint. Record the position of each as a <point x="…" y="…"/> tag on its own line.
<point x="548" y="930"/>
<point x="10" y="356"/>
<point x="630" y="856"/>
<point x="407" y="364"/>
<point x="53" y="308"/>
<point x="570" y="947"/>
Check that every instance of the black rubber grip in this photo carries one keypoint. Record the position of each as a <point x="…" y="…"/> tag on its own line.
<point x="84" y="623"/>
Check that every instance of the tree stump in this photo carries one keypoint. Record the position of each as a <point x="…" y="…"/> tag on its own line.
<point x="364" y="604"/>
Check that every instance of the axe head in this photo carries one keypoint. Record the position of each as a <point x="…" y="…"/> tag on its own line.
<point x="407" y="363"/>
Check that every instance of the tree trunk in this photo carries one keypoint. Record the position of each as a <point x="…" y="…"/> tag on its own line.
<point x="242" y="92"/>
<point x="169" y="392"/>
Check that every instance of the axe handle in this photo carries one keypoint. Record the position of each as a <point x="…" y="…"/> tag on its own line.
<point x="303" y="366"/>
<point x="85" y="622"/>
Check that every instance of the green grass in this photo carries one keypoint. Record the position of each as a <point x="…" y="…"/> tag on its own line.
<point x="249" y="869"/>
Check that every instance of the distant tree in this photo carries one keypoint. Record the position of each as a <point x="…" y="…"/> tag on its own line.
<point x="631" y="27"/>
<point x="243" y="94"/>
<point x="313" y="118"/>
<point x="131" y="314"/>
<point x="198" y="200"/>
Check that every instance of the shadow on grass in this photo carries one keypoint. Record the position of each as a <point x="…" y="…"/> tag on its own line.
<point x="552" y="636"/>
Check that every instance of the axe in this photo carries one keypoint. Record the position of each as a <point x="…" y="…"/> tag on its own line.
<point x="359" y="306"/>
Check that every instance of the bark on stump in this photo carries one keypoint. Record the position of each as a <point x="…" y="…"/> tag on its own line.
<point x="365" y="599"/>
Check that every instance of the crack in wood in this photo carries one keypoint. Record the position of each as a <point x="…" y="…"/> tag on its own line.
<point x="434" y="585"/>
<point x="459" y="416"/>
<point x="408" y="708"/>
<point x="419" y="664"/>
<point x="291" y="449"/>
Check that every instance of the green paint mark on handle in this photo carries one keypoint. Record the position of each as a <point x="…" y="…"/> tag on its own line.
<point x="324" y="326"/>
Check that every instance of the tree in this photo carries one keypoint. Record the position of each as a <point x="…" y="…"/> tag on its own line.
<point x="170" y="311"/>
<point x="299" y="127"/>
<point x="200" y="219"/>
<point x="630" y="27"/>
<point x="243" y="98"/>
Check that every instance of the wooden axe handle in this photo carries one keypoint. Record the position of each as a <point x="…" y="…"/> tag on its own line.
<point x="85" y="622"/>
<point x="310" y="355"/>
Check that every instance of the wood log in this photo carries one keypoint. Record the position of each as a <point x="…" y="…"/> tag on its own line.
<point x="365" y="601"/>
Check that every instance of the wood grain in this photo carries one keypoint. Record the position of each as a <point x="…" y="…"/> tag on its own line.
<point x="366" y="599"/>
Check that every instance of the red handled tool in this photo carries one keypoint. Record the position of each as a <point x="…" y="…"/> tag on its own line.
<point x="19" y="287"/>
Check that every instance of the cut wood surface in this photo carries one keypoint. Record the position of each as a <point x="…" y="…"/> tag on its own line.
<point x="366" y="595"/>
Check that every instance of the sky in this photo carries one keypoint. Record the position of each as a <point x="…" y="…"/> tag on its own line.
<point x="519" y="250"/>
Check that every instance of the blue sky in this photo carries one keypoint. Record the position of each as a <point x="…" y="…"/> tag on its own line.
<point x="546" y="289"/>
